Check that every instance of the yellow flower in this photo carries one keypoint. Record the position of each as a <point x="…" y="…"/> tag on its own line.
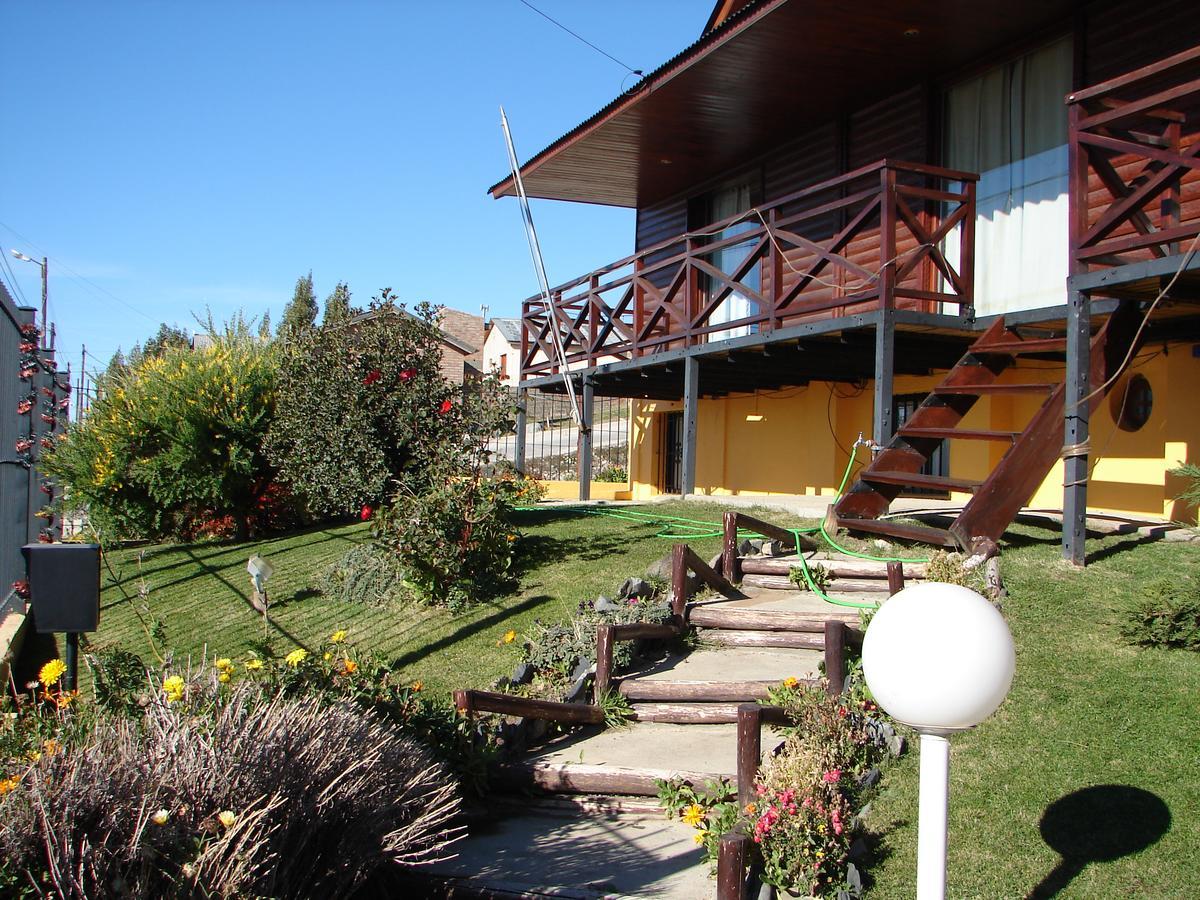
<point x="226" y="818"/>
<point x="8" y="784"/>
<point x="224" y="664"/>
<point x="791" y="681"/>
<point x="751" y="809"/>
<point x="160" y="817"/>
<point x="51" y="746"/>
<point x="511" y="537"/>
<point x="693" y="815"/>
<point x="349" y="666"/>
<point x="34" y="755"/>
<point x="223" y="678"/>
<point x="338" y="636"/>
<point x="417" y="686"/>
<point x="699" y="836"/>
<point x="253" y="665"/>
<point x="173" y="688"/>
<point x="51" y="672"/>
<point x="510" y="636"/>
<point x="296" y="657"/>
<point x="64" y="699"/>
<point x="328" y="656"/>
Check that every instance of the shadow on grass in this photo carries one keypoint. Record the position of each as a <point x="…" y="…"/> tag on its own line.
<point x="414" y="656"/>
<point x="1098" y="824"/>
<point x="873" y="851"/>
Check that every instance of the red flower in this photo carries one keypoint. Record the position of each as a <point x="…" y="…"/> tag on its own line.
<point x="365" y="513"/>
<point x="407" y="375"/>
<point x="373" y="376"/>
<point x="445" y="407"/>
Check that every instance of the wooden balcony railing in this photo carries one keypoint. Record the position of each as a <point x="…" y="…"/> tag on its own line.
<point x="1135" y="165"/>
<point x="891" y="234"/>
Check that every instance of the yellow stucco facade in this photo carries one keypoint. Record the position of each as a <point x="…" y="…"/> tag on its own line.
<point x="796" y="440"/>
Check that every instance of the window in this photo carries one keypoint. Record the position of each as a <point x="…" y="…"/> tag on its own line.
<point x="1131" y="403"/>
<point x="715" y="206"/>
<point x="503" y="366"/>
<point x="1009" y="125"/>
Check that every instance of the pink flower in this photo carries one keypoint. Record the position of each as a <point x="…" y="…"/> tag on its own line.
<point x="832" y="775"/>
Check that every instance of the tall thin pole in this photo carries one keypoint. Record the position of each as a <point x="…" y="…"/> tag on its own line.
<point x="79" y="393"/>
<point x="45" y="300"/>
<point x="535" y="250"/>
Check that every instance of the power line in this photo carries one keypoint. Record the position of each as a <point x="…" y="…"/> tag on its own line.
<point x="12" y="276"/>
<point x="72" y="273"/>
<point x="579" y="37"/>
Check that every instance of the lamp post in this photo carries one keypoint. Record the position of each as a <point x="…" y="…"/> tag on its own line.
<point x="939" y="658"/>
<point x="45" y="266"/>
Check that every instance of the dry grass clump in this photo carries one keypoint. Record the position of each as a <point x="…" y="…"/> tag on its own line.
<point x="241" y="796"/>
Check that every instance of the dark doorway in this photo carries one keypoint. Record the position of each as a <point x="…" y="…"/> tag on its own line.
<point x="903" y="407"/>
<point x="672" y="472"/>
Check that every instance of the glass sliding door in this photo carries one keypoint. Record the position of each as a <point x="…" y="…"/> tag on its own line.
<point x="1009" y="125"/>
<point x="719" y="205"/>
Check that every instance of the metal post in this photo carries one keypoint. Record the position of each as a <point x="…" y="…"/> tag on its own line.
<point x="522" y="422"/>
<point x="1075" y="431"/>
<point x="45" y="302"/>
<point x="72" y="660"/>
<point x="691" y="398"/>
<point x="932" y="809"/>
<point x="584" y="444"/>
<point x="885" y="353"/>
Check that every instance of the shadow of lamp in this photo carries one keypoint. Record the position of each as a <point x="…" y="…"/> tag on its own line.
<point x="939" y="658"/>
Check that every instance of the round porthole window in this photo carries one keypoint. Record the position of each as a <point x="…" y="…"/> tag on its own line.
<point x="1131" y="403"/>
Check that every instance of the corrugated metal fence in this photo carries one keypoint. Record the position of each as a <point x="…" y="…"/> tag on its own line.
<point x="33" y="400"/>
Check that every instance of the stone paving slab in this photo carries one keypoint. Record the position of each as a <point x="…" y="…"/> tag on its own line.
<point x="582" y="857"/>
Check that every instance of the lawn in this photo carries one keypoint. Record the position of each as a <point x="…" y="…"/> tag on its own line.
<point x="1085" y="711"/>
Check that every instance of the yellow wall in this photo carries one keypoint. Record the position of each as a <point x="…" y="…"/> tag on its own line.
<point x="601" y="490"/>
<point x="787" y="442"/>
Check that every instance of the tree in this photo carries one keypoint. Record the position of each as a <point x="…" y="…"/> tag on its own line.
<point x="359" y="408"/>
<point x="337" y="306"/>
<point x="175" y="440"/>
<point x="167" y="337"/>
<point x="301" y="312"/>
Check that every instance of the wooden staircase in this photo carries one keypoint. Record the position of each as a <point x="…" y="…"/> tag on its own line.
<point x="1031" y="452"/>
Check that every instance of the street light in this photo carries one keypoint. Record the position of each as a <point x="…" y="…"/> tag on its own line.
<point x="45" y="266"/>
<point x="940" y="658"/>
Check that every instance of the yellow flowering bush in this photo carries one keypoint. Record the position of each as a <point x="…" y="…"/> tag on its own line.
<point x="176" y="440"/>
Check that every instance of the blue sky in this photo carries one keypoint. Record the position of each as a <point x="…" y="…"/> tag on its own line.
<point x="173" y="156"/>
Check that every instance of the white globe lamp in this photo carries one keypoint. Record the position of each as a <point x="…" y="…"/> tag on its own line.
<point x="940" y="658"/>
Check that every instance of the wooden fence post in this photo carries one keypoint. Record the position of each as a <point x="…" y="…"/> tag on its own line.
<point x="835" y="656"/>
<point x="749" y="750"/>
<point x="731" y="866"/>
<point x="679" y="573"/>
<point x="730" y="560"/>
<point x="895" y="572"/>
<point x="604" y="660"/>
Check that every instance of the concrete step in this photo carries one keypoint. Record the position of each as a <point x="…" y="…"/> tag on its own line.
<point x="577" y="857"/>
<point x="627" y="761"/>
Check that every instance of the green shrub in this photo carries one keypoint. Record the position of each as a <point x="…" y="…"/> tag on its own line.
<point x="1167" y="615"/>
<point x="175" y="441"/>
<point x="369" y="574"/>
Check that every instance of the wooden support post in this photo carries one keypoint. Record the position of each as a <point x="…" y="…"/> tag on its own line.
<point x="462" y="702"/>
<point x="1075" y="431"/>
<point x="522" y="423"/>
<point x="679" y="579"/>
<point x="584" y="443"/>
<point x="604" y="660"/>
<point x="691" y="397"/>
<point x="885" y="354"/>
<point x="835" y="656"/>
<point x="731" y="562"/>
<point x="731" y="866"/>
<point x="749" y="750"/>
<point x="895" y="572"/>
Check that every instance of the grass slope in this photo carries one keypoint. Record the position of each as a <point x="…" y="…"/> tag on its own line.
<point x="1085" y="709"/>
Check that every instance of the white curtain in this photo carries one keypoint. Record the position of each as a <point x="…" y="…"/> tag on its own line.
<point x="723" y="204"/>
<point x="1010" y="126"/>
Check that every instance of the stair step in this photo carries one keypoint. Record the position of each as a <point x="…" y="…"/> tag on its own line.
<point x="904" y="532"/>
<point x="696" y="691"/>
<point x="686" y="713"/>
<point x="791" y="639"/>
<point x="742" y="619"/>
<point x="967" y="434"/>
<point x="784" y="583"/>
<point x="840" y="566"/>
<point x="981" y="389"/>
<point x="917" y="479"/>
<point x="1018" y="347"/>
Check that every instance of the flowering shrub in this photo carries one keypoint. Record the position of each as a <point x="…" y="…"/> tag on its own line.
<point x="802" y="820"/>
<point x="175" y="441"/>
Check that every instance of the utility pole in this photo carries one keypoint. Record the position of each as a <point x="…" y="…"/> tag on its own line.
<point x="79" y="392"/>
<point x="45" y="301"/>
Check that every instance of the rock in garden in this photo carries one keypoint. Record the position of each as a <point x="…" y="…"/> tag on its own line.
<point x="522" y="674"/>
<point x="660" y="569"/>
<point x="772" y="548"/>
<point x="745" y="548"/>
<point x="635" y="587"/>
<point x="603" y="604"/>
<point x="582" y="669"/>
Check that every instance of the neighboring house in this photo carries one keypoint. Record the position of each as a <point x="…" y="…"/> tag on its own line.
<point x="835" y="201"/>
<point x="502" y="350"/>
<point x="462" y="342"/>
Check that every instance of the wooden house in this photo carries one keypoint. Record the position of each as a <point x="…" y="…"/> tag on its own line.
<point x="963" y="230"/>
